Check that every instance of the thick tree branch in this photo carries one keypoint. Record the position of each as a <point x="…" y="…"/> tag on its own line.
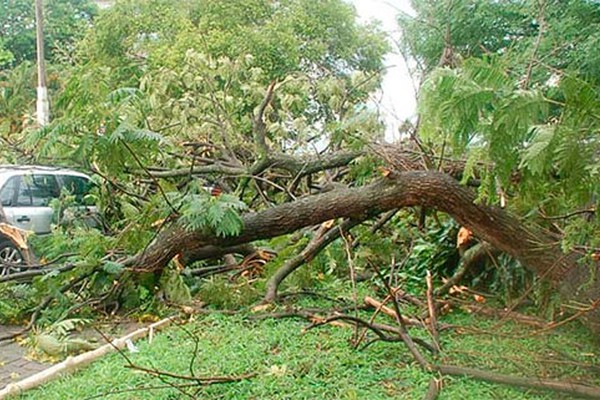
<point x="533" y="247"/>
<point x="317" y="244"/>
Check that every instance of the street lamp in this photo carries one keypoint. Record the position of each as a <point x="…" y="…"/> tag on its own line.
<point x="42" y="105"/>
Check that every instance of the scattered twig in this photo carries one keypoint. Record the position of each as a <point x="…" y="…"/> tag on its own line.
<point x="348" y="248"/>
<point x="589" y="211"/>
<point x="388" y="311"/>
<point x="553" y="325"/>
<point x="357" y="321"/>
<point x="209" y="380"/>
<point x="259" y="125"/>
<point x="305" y="313"/>
<point x="502" y="314"/>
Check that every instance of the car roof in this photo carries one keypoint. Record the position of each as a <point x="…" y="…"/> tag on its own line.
<point x="12" y="169"/>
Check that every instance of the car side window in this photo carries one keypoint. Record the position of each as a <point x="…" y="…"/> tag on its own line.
<point x="23" y="193"/>
<point x="77" y="186"/>
<point x="37" y="190"/>
<point x="7" y="194"/>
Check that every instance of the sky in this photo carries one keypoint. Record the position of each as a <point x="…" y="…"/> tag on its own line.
<point x="398" y="99"/>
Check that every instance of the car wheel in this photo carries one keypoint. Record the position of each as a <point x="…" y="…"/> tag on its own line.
<point x="10" y="258"/>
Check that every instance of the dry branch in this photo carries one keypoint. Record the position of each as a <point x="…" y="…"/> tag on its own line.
<point x="573" y="389"/>
<point x="299" y="167"/>
<point x="32" y="272"/>
<point x="432" y="311"/>
<point x="378" y="329"/>
<point x="207" y="380"/>
<point x="388" y="311"/>
<point x="259" y="126"/>
<point x="503" y="314"/>
<point x="403" y="333"/>
<point x="433" y="390"/>
<point x="318" y="243"/>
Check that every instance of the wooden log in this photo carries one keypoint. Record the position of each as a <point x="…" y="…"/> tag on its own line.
<point x="73" y="363"/>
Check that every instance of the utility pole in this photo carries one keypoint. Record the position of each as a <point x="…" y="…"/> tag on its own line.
<point x="42" y="105"/>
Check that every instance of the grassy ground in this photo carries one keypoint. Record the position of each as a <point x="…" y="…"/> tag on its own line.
<point x="320" y="363"/>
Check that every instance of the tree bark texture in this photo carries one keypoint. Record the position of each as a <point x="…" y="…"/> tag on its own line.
<point x="533" y="247"/>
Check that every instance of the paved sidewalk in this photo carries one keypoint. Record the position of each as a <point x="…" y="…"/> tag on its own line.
<point x="13" y="364"/>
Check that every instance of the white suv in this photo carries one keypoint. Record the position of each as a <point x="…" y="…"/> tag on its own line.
<point x="25" y="195"/>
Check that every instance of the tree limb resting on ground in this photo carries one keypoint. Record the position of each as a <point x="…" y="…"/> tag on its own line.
<point x="534" y="248"/>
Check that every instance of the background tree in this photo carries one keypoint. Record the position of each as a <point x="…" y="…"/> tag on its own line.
<point x="65" y="23"/>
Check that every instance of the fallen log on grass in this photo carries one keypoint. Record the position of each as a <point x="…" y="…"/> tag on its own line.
<point x="73" y="363"/>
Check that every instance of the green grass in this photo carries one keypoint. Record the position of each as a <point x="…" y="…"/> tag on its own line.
<point x="320" y="363"/>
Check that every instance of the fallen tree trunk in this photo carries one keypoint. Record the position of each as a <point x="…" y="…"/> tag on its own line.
<point x="534" y="248"/>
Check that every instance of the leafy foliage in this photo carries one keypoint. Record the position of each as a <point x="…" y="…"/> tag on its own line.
<point x="150" y="86"/>
<point x="14" y="300"/>
<point x="517" y="102"/>
<point x="219" y="214"/>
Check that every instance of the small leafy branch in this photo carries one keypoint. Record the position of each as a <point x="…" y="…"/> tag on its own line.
<point x="219" y="214"/>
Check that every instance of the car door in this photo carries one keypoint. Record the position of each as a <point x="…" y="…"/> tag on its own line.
<point x="29" y="208"/>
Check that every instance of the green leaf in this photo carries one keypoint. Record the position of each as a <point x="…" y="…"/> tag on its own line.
<point x="533" y="155"/>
